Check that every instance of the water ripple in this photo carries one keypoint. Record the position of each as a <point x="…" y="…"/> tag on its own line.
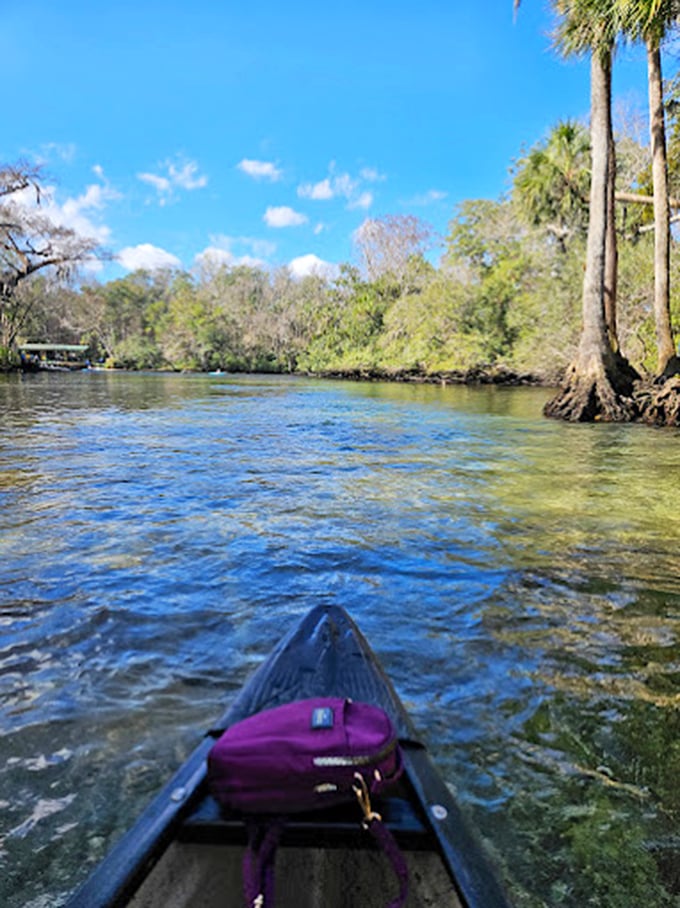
<point x="518" y="578"/>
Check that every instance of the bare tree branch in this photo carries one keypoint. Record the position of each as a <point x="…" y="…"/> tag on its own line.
<point x="30" y="242"/>
<point x="387" y="244"/>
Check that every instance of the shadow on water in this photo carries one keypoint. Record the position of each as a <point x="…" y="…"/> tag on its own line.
<point x="518" y="577"/>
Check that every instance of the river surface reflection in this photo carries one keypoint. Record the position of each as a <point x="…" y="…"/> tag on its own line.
<point x="518" y="578"/>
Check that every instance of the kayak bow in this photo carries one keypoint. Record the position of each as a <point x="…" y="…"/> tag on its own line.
<point x="185" y="852"/>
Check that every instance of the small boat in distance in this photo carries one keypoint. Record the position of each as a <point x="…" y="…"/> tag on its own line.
<point x="186" y="852"/>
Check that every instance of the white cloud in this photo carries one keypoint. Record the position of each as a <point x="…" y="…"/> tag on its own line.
<point x="187" y="176"/>
<point x="371" y="175"/>
<point x="241" y="249"/>
<point x="162" y="184"/>
<point x="431" y="197"/>
<point x="216" y="257"/>
<point x="178" y="175"/>
<point x="258" y="247"/>
<point x="148" y="257"/>
<point x="342" y="186"/>
<point x="260" y="170"/>
<point x="283" y="217"/>
<point x="319" y="191"/>
<point x="233" y="251"/>
<point x="265" y="248"/>
<point x="345" y="185"/>
<point x="76" y="213"/>
<point x="304" y="265"/>
<point x="64" y="151"/>
<point x="365" y="200"/>
<point x="95" y="196"/>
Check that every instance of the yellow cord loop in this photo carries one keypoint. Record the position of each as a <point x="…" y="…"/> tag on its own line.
<point x="360" y="789"/>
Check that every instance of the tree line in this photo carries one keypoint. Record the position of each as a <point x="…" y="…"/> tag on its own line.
<point x="505" y="291"/>
<point x="569" y="275"/>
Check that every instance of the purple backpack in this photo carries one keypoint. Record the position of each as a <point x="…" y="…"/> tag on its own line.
<point x="303" y="756"/>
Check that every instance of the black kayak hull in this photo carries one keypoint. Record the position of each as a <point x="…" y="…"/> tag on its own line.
<point x="324" y="655"/>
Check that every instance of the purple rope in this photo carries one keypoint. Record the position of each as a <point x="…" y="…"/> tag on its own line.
<point x="385" y="840"/>
<point x="258" y="863"/>
<point x="259" y="860"/>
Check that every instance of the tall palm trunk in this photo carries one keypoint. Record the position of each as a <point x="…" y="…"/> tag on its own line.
<point x="598" y="384"/>
<point x="662" y="313"/>
<point x="594" y="341"/>
<point x="611" y="256"/>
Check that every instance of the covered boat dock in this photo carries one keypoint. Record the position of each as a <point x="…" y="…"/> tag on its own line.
<point x="57" y="357"/>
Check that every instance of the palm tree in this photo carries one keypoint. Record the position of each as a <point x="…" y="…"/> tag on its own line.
<point x="599" y="381"/>
<point x="551" y="182"/>
<point x="650" y="21"/>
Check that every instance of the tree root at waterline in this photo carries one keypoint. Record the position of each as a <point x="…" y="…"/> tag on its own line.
<point x="596" y="392"/>
<point x="659" y="404"/>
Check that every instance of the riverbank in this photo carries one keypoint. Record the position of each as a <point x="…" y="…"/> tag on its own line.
<point x="478" y="375"/>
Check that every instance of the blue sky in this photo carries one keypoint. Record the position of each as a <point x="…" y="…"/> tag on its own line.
<point x="266" y="131"/>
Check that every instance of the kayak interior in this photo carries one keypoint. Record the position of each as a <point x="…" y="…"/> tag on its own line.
<point x="209" y="876"/>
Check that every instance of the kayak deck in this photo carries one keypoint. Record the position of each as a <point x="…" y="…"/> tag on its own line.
<point x="185" y="851"/>
<point x="325" y="655"/>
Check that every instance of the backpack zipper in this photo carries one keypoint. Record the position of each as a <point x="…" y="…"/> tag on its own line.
<point x="355" y="760"/>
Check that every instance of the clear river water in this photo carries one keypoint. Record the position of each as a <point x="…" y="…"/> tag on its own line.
<point x="519" y="579"/>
